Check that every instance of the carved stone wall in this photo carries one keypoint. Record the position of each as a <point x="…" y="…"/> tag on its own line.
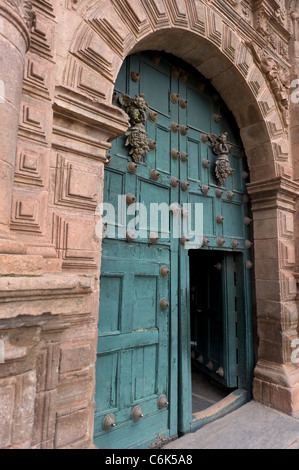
<point x="49" y="288"/>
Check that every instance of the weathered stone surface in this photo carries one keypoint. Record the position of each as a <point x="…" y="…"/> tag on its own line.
<point x="17" y="395"/>
<point x="53" y="172"/>
<point x="71" y="428"/>
<point x="22" y="265"/>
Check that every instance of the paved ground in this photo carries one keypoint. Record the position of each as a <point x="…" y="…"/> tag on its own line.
<point x="253" y="426"/>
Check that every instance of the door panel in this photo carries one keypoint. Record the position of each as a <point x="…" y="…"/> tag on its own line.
<point x="143" y="351"/>
<point x="133" y="347"/>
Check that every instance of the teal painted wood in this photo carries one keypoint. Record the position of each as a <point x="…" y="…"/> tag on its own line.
<point x="198" y="116"/>
<point x="143" y="351"/>
<point x="232" y="402"/>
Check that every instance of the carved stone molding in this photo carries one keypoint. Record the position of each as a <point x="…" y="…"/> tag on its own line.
<point x="24" y="10"/>
<point x="85" y="127"/>
<point x="278" y="78"/>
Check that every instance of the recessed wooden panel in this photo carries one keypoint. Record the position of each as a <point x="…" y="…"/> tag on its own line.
<point x="144" y="372"/>
<point x="106" y="382"/>
<point x="145" y="301"/>
<point x="110" y="308"/>
<point x="233" y="224"/>
<point x="156" y="96"/>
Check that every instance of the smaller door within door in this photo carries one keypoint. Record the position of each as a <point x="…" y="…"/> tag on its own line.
<point x="213" y="315"/>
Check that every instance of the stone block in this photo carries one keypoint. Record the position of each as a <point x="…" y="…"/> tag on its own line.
<point x="270" y="350"/>
<point x="17" y="396"/>
<point x="267" y="249"/>
<point x="21" y="264"/>
<point x="71" y="428"/>
<point x="265" y="229"/>
<point x="268" y="289"/>
<point x="76" y="357"/>
<point x="266" y="269"/>
<point x="255" y="134"/>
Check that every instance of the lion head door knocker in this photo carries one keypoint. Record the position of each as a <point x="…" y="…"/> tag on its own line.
<point x="221" y="148"/>
<point x="137" y="136"/>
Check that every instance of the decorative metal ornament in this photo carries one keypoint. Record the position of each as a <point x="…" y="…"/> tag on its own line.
<point x="156" y="59"/>
<point x="130" y="235"/>
<point x="152" y="116"/>
<point x="184" y="156"/>
<point x="200" y="359"/>
<point x="217" y="118"/>
<point x="184" y="76"/>
<point x="137" y="413"/>
<point x="220" y="241"/>
<point x="230" y="195"/>
<point x="153" y="238"/>
<point x="209" y="365"/>
<point x="245" y="175"/>
<point x="249" y="264"/>
<point x="174" y="182"/>
<point x="247" y="221"/>
<point x="234" y="243"/>
<point x="174" y="97"/>
<point x="163" y="304"/>
<point x="248" y="244"/>
<point x="184" y="213"/>
<point x="205" y="242"/>
<point x="245" y="199"/>
<point x="185" y="185"/>
<point x="218" y="266"/>
<point x="135" y="107"/>
<point x="155" y="175"/>
<point x="132" y="168"/>
<point x="175" y="73"/>
<point x="206" y="163"/>
<point x="218" y="193"/>
<point x="204" y="138"/>
<point x="135" y="76"/>
<point x="221" y="148"/>
<point x="184" y="130"/>
<point x="108" y="159"/>
<point x="136" y="136"/>
<point x="184" y="240"/>
<point x="219" y="219"/>
<point x="130" y="199"/>
<point x="175" y="209"/>
<point x="108" y="422"/>
<point x="114" y="96"/>
<point x="205" y="189"/>
<point x="183" y="103"/>
<point x="152" y="144"/>
<point x="175" y="154"/>
<point x="220" y="371"/>
<point x="162" y="401"/>
<point x="164" y="271"/>
<point x="175" y="127"/>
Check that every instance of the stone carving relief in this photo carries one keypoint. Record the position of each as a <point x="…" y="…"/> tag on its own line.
<point x="270" y="21"/>
<point x="24" y="9"/>
<point x="294" y="12"/>
<point x="136" y="136"/>
<point x="242" y="8"/>
<point x="278" y="78"/>
<point x="222" y="148"/>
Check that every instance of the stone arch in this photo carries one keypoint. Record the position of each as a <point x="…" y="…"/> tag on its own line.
<point x="109" y="32"/>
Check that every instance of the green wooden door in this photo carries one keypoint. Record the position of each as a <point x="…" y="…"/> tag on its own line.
<point x="143" y="354"/>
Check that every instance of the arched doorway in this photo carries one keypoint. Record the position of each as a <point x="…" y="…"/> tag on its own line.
<point x="168" y="307"/>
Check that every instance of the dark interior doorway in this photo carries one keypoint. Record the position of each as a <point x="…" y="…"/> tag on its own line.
<point x="209" y="292"/>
